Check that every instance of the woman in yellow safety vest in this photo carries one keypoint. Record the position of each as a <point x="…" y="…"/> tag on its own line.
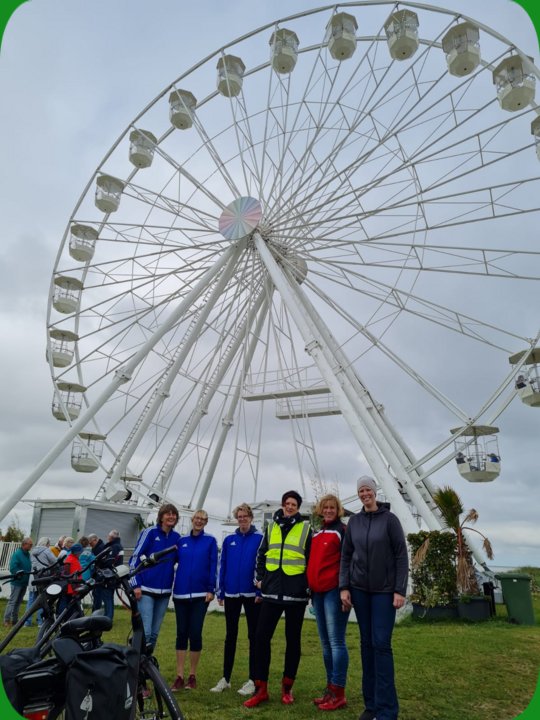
<point x="281" y="576"/>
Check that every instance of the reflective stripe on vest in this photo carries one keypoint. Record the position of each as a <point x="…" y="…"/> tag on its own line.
<point x="290" y="555"/>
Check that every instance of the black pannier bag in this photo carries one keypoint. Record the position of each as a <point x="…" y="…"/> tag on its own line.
<point x="10" y="666"/>
<point x="102" y="684"/>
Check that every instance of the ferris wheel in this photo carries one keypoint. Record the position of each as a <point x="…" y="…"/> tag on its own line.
<point x="316" y="245"/>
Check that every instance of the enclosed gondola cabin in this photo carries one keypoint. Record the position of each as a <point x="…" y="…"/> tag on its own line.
<point x="82" y="242"/>
<point x="341" y="36"/>
<point x="284" y="50"/>
<point x="62" y="347"/>
<point x="86" y="452"/>
<point x="108" y="193"/>
<point x="461" y="45"/>
<point x="477" y="452"/>
<point x="230" y="75"/>
<point x="402" y="34"/>
<point x="528" y="378"/>
<point x="67" y="399"/>
<point x="182" y="106"/>
<point x="141" y="148"/>
<point x="67" y="294"/>
<point x="515" y="83"/>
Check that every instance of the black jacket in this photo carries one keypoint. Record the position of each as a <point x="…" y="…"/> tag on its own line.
<point x="374" y="556"/>
<point x="276" y="585"/>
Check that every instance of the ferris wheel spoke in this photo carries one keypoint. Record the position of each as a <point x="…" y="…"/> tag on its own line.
<point x="403" y="301"/>
<point x="396" y="358"/>
<point x="201" y="219"/>
<point x="452" y="99"/>
<point x="462" y="260"/>
<point x="215" y="157"/>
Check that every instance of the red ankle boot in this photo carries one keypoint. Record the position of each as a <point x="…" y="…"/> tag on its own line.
<point x="261" y="694"/>
<point x="325" y="697"/>
<point x="286" y="691"/>
<point x="337" y="699"/>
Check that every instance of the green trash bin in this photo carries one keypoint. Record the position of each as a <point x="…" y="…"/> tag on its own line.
<point x="516" y="589"/>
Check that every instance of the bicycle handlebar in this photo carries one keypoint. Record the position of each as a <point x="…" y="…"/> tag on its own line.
<point x="154" y="558"/>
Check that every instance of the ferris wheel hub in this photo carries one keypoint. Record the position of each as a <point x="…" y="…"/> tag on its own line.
<point x="240" y="218"/>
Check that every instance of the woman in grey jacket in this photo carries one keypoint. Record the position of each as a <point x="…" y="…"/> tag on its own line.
<point x="373" y="580"/>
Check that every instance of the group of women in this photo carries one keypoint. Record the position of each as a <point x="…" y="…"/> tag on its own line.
<point x="362" y="566"/>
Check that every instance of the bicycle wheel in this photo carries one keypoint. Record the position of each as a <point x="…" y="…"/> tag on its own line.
<point x="161" y="704"/>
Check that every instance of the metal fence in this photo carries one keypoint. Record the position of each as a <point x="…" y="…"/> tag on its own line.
<point x="6" y="553"/>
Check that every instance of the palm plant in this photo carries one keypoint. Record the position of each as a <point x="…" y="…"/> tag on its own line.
<point x="451" y="507"/>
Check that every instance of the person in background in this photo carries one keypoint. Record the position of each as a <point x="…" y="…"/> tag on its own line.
<point x="236" y="591"/>
<point x="56" y="549"/>
<point x="41" y="558"/>
<point x="86" y="557"/>
<point x="20" y="562"/>
<point x="281" y="576"/>
<point x="373" y="579"/>
<point x="97" y="545"/>
<point x="115" y="558"/>
<point x="323" y="581"/>
<point x="153" y="587"/>
<point x="66" y="547"/>
<point x="117" y="555"/>
<point x="71" y="568"/>
<point x="194" y="589"/>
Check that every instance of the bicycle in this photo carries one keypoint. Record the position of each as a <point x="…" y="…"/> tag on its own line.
<point x="42" y="683"/>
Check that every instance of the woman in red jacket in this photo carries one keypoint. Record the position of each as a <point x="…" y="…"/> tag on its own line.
<point x="323" y="580"/>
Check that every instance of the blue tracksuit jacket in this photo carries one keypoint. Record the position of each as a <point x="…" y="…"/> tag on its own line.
<point x="197" y="566"/>
<point x="159" y="579"/>
<point x="237" y="564"/>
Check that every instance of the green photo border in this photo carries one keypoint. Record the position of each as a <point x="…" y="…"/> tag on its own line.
<point x="7" y="8"/>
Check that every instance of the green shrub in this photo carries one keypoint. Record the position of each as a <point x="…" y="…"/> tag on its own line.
<point x="433" y="568"/>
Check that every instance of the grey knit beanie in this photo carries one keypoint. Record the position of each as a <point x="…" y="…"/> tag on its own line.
<point x="366" y="481"/>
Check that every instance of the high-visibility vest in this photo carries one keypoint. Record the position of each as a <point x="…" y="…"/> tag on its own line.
<point x="290" y="554"/>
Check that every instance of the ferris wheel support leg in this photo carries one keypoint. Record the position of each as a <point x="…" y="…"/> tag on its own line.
<point x="379" y="428"/>
<point x="227" y="420"/>
<point x="337" y="381"/>
<point x="171" y="375"/>
<point x="207" y="393"/>
<point x="121" y="375"/>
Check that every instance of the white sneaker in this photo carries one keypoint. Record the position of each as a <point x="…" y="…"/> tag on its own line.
<point x="248" y="688"/>
<point x="221" y="686"/>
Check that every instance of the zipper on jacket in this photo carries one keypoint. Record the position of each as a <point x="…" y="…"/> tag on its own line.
<point x="367" y="552"/>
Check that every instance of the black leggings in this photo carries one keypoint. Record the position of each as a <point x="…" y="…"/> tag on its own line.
<point x="268" y="620"/>
<point x="233" y="608"/>
<point x="190" y="616"/>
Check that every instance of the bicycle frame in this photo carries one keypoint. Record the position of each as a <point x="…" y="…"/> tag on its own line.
<point x="49" y="705"/>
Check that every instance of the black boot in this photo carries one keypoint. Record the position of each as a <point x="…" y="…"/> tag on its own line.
<point x="367" y="715"/>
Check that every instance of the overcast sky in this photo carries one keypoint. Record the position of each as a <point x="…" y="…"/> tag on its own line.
<point x="72" y="76"/>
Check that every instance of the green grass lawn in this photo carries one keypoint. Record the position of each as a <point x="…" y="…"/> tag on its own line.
<point x="444" y="670"/>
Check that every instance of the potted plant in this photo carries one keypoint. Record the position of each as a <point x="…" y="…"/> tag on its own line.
<point x="472" y="603"/>
<point x="433" y="574"/>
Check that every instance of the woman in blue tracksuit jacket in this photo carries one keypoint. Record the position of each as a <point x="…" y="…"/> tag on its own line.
<point x="236" y="590"/>
<point x="153" y="587"/>
<point x="194" y="588"/>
